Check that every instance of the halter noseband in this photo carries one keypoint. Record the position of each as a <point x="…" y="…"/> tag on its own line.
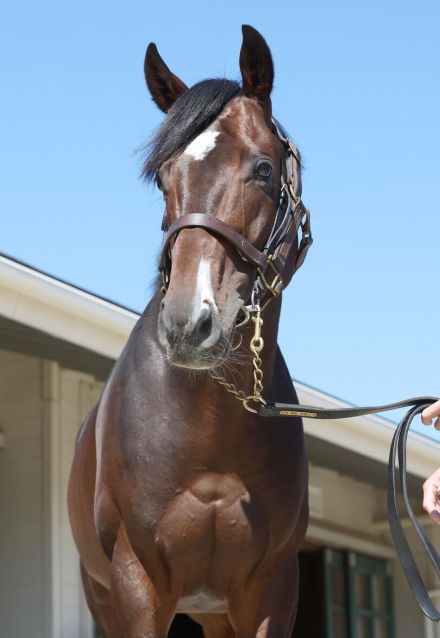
<point x="270" y="263"/>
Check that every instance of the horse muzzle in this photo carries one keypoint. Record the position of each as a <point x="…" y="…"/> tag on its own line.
<point x="193" y="339"/>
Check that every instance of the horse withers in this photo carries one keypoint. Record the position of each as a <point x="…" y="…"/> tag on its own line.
<point x="181" y="498"/>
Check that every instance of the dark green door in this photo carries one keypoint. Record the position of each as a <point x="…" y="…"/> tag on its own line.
<point x="344" y="595"/>
<point x="371" y="599"/>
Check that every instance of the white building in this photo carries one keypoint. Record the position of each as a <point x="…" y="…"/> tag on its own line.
<point x="57" y="345"/>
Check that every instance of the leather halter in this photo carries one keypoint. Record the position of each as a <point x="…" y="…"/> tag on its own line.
<point x="270" y="263"/>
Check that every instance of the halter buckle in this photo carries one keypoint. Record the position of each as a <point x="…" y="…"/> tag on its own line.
<point x="276" y="286"/>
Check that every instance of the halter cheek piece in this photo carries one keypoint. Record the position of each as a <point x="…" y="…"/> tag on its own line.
<point x="270" y="263"/>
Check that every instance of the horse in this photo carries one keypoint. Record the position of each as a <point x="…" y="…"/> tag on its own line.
<point x="182" y="499"/>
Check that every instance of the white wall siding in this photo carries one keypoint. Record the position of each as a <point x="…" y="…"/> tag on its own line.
<point x="339" y="507"/>
<point x="21" y="498"/>
<point x="78" y="393"/>
<point x="41" y="409"/>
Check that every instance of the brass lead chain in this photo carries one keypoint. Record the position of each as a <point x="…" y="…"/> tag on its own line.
<point x="256" y="347"/>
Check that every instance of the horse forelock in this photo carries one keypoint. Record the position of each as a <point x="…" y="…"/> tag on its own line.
<point x="189" y="116"/>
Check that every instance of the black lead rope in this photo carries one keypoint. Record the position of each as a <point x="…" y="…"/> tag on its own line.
<point x="398" y="449"/>
<point x="397" y="453"/>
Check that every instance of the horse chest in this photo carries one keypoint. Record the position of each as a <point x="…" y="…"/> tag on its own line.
<point x="215" y="524"/>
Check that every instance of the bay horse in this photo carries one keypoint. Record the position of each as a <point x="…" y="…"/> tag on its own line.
<point x="181" y="498"/>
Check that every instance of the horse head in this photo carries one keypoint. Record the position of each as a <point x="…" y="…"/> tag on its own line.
<point x="216" y="153"/>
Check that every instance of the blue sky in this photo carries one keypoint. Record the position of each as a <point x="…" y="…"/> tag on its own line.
<point x="357" y="85"/>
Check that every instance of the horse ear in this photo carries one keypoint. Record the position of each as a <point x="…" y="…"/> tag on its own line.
<point x="164" y="86"/>
<point x="256" y="65"/>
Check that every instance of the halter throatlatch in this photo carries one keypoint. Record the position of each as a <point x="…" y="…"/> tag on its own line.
<point x="273" y="271"/>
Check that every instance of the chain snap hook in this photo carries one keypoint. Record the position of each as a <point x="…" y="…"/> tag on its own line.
<point x="257" y="341"/>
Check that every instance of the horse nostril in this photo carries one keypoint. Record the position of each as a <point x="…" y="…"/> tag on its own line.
<point x="204" y="325"/>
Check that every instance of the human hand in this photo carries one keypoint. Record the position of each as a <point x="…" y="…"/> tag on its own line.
<point x="431" y="413"/>
<point x="431" y="495"/>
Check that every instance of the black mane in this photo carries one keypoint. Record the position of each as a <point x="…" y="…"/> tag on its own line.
<point x="190" y="114"/>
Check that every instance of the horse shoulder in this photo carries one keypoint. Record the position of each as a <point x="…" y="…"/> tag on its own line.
<point x="80" y="499"/>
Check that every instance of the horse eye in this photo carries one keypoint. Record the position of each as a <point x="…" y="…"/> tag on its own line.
<point x="264" y="169"/>
<point x="160" y="186"/>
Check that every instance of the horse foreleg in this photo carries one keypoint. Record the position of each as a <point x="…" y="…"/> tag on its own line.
<point x="139" y="612"/>
<point x="268" y="607"/>
<point x="214" y="625"/>
<point x="98" y="600"/>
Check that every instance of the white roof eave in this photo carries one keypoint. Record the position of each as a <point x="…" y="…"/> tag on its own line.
<point x="42" y="302"/>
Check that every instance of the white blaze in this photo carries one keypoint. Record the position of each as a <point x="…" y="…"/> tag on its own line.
<point x="204" y="294"/>
<point x="202" y="145"/>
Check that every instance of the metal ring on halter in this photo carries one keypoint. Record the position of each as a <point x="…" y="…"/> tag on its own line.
<point x="255" y="295"/>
